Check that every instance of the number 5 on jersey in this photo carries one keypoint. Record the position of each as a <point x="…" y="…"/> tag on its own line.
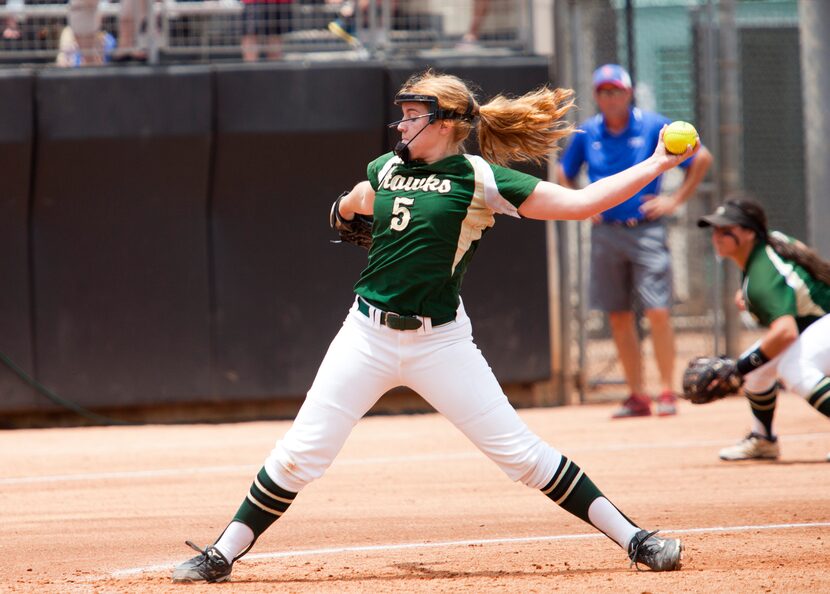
<point x="400" y="213"/>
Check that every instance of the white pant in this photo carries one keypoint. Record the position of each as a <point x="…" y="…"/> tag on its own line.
<point x="441" y="364"/>
<point x="800" y="367"/>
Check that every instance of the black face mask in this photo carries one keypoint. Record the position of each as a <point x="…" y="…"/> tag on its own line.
<point x="402" y="148"/>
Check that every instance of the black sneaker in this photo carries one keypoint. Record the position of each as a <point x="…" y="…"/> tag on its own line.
<point x="659" y="554"/>
<point x="208" y="566"/>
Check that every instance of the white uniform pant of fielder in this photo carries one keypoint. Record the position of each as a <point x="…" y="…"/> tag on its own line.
<point x="442" y="364"/>
<point x="800" y="367"/>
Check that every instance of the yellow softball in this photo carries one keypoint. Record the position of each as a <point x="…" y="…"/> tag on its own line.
<point x="678" y="135"/>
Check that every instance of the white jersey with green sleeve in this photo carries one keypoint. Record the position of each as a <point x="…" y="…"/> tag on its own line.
<point x="428" y="220"/>
<point x="775" y="287"/>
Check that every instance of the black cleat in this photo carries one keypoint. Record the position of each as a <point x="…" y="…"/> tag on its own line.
<point x="659" y="554"/>
<point x="208" y="566"/>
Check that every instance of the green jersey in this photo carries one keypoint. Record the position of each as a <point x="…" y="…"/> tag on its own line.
<point x="775" y="287"/>
<point x="428" y="220"/>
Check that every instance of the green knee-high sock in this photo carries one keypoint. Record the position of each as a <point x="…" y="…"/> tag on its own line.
<point x="819" y="398"/>
<point x="573" y="491"/>
<point x="264" y="504"/>
<point x="762" y="405"/>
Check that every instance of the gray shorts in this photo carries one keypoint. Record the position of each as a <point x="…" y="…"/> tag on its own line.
<point x="629" y="263"/>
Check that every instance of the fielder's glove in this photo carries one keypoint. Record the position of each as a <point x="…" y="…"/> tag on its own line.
<point x="358" y="231"/>
<point x="710" y="378"/>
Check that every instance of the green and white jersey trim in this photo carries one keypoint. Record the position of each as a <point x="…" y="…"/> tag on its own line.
<point x="429" y="218"/>
<point x="486" y="200"/>
<point x="804" y="304"/>
<point x="487" y="188"/>
<point x="774" y="287"/>
<point x="384" y="172"/>
<point x="479" y="217"/>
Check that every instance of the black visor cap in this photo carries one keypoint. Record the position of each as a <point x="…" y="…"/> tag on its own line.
<point x="726" y="215"/>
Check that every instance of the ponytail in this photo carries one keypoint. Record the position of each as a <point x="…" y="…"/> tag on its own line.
<point x="795" y="251"/>
<point x="527" y="128"/>
<point x="802" y="255"/>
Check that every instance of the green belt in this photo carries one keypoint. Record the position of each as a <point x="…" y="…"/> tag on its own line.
<point x="399" y="322"/>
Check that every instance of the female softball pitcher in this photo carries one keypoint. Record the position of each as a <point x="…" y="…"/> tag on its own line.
<point x="786" y="288"/>
<point x="431" y="205"/>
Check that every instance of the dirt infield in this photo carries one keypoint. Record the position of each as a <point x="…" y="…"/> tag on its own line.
<point x="411" y="506"/>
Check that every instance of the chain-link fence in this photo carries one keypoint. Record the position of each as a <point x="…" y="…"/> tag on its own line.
<point x="80" y="32"/>
<point x="715" y="63"/>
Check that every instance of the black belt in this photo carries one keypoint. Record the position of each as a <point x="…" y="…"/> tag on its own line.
<point x="397" y="321"/>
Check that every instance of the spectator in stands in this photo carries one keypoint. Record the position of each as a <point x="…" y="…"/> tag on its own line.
<point x="345" y="25"/>
<point x="629" y="249"/>
<point x="11" y="28"/>
<point x="69" y="54"/>
<point x="132" y="29"/>
<point x="81" y="37"/>
<point x="263" y="24"/>
<point x="471" y="37"/>
<point x="12" y="20"/>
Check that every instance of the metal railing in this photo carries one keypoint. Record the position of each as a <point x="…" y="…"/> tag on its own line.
<point x="36" y="31"/>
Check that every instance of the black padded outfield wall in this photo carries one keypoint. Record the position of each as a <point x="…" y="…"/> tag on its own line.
<point x="179" y="230"/>
<point x="120" y="241"/>
<point x="289" y="139"/>
<point x="16" y="156"/>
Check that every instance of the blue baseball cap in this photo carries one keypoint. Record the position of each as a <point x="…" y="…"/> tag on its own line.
<point x="612" y="74"/>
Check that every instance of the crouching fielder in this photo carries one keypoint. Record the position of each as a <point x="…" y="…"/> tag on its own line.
<point x="786" y="288"/>
<point x="430" y="205"/>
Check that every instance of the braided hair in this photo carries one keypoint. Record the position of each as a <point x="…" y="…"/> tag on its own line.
<point x="795" y="251"/>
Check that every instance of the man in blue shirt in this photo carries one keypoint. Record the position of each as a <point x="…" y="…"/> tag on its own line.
<point x="629" y="250"/>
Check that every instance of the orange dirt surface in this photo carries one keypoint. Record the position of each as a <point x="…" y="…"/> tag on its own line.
<point x="411" y="506"/>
